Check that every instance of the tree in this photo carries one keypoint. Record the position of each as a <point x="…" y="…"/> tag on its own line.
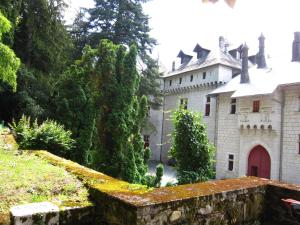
<point x="75" y="108"/>
<point x="41" y="39"/>
<point x="43" y="44"/>
<point x="191" y="148"/>
<point x="122" y="22"/>
<point x="120" y="112"/>
<point x="9" y="63"/>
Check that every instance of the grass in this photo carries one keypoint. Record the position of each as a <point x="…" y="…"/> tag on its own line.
<point x="25" y="178"/>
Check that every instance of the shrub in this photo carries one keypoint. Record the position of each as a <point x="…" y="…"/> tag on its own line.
<point x="191" y="148"/>
<point x="49" y="136"/>
<point x="154" y="181"/>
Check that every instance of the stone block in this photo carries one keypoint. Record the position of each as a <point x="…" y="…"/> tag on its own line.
<point x="35" y="213"/>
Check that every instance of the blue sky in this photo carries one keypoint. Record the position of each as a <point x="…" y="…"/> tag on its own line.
<point x="180" y="24"/>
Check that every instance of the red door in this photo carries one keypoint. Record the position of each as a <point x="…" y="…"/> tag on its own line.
<point x="259" y="162"/>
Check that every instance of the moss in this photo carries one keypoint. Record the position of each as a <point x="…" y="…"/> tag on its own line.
<point x="138" y="194"/>
<point x="4" y="218"/>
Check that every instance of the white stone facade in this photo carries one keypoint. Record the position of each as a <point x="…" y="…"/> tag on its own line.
<point x="291" y="132"/>
<point x="274" y="128"/>
<point x="239" y="141"/>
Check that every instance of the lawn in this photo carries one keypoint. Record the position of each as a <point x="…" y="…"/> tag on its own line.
<point x="25" y="178"/>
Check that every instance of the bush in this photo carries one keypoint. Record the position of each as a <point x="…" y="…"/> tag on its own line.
<point x="49" y="136"/>
<point x="154" y="181"/>
<point x="191" y="148"/>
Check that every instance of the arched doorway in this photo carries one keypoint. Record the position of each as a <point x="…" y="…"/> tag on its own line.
<point x="259" y="162"/>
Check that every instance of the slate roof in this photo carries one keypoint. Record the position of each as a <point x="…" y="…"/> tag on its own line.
<point x="262" y="81"/>
<point x="214" y="57"/>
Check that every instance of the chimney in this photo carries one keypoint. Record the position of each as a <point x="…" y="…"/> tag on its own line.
<point x="245" y="73"/>
<point x="296" y="47"/>
<point x="173" y="66"/>
<point x="260" y="57"/>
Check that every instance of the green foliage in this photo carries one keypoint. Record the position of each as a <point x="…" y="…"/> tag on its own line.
<point x="120" y="112"/>
<point x="49" y="136"/>
<point x="9" y="63"/>
<point x="122" y="22"/>
<point x="75" y="108"/>
<point x="26" y="178"/>
<point x="41" y="39"/>
<point x="191" y="148"/>
<point x="42" y="42"/>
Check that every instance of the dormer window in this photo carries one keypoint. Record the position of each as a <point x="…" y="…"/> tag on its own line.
<point x="256" y="105"/>
<point x="180" y="80"/>
<point x="204" y="75"/>
<point x="170" y="83"/>
<point x="192" y="78"/>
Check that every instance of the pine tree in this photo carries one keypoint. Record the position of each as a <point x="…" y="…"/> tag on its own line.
<point x="74" y="107"/>
<point x="191" y="148"/>
<point x="120" y="113"/>
<point x="122" y="22"/>
<point x="40" y="39"/>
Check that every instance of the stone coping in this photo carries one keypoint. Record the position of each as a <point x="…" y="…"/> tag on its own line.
<point x="140" y="196"/>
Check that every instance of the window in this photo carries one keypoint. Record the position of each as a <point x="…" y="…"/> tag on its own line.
<point x="230" y="162"/>
<point x="146" y="141"/>
<point x="207" y="106"/>
<point x="180" y="80"/>
<point x="192" y="78"/>
<point x="256" y="104"/>
<point x="233" y="106"/>
<point x="204" y="75"/>
<point x="183" y="103"/>
<point x="299" y="143"/>
<point x="170" y="82"/>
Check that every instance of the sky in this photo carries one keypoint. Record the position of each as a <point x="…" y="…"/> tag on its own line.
<point x="181" y="24"/>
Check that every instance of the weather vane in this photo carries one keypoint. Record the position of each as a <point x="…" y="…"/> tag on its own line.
<point x="231" y="3"/>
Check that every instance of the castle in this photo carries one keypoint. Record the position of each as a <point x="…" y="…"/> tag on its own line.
<point x="251" y="110"/>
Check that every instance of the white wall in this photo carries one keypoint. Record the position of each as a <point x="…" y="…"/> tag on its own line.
<point x="196" y="102"/>
<point x="291" y="131"/>
<point x="225" y="73"/>
<point x="211" y="76"/>
<point x="228" y="139"/>
<point x="231" y="139"/>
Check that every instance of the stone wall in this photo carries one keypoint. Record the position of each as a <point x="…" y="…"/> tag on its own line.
<point x="291" y="132"/>
<point x="228" y="139"/>
<point x="276" y="212"/>
<point x="245" y="200"/>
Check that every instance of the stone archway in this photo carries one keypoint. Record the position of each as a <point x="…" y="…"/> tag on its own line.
<point x="259" y="162"/>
